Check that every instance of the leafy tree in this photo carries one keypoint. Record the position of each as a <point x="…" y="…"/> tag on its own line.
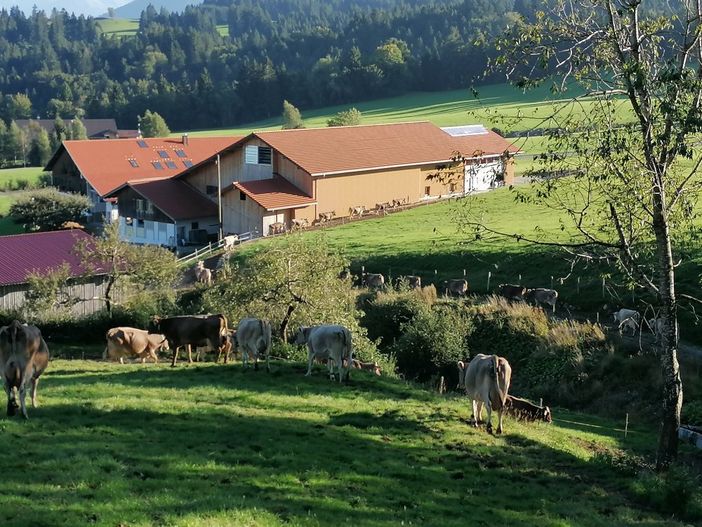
<point x="16" y="143"/>
<point x="47" y="209"/>
<point x="39" y="148"/>
<point x="350" y="117"/>
<point x="636" y="181"/>
<point x="49" y="293"/>
<point x="19" y="106"/>
<point x="291" y="117"/>
<point x="153" y="125"/>
<point x="130" y="269"/>
<point x="77" y="129"/>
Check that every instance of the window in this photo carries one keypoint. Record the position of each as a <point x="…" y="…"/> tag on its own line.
<point x="142" y="143"/>
<point x="133" y="162"/>
<point x="180" y="153"/>
<point x="163" y="154"/>
<point x="157" y="165"/>
<point x="211" y="189"/>
<point x="139" y="205"/>
<point x="427" y="191"/>
<point x="194" y="225"/>
<point x="171" y="164"/>
<point x="242" y="196"/>
<point x="149" y="207"/>
<point x="258" y="155"/>
<point x="187" y="163"/>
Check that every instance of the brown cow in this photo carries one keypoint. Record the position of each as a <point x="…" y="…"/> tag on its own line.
<point x="512" y="292"/>
<point x="133" y="343"/>
<point x="523" y="409"/>
<point x="457" y="287"/>
<point x="191" y="330"/>
<point x="486" y="380"/>
<point x="368" y="366"/>
<point x="375" y="280"/>
<point x="24" y="356"/>
<point x="276" y="228"/>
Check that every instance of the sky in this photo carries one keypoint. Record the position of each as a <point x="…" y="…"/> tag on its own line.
<point x="85" y="7"/>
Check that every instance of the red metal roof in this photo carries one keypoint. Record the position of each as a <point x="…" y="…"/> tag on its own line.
<point x="108" y="164"/>
<point x="273" y="194"/>
<point x="23" y="254"/>
<point x="176" y="199"/>
<point x="321" y="151"/>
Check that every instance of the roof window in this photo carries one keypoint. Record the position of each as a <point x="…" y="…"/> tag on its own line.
<point x="157" y="165"/>
<point x="163" y="154"/>
<point x="188" y="163"/>
<point x="133" y="162"/>
<point x="181" y="153"/>
<point x="171" y="164"/>
<point x="142" y="143"/>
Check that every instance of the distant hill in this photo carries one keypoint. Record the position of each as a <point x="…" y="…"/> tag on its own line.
<point x="84" y="7"/>
<point x="134" y="8"/>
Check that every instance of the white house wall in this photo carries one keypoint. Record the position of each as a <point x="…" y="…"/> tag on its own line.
<point x="153" y="232"/>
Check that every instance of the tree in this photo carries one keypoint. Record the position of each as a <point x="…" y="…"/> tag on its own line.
<point x="153" y="125"/>
<point x="291" y="117"/>
<point x="350" y="117"/>
<point x="77" y="129"/>
<point x="16" y="143"/>
<point x="49" y="293"/>
<point x="131" y="270"/>
<point x="39" y="148"/>
<point x="19" y="106"/>
<point x="636" y="178"/>
<point x="48" y="209"/>
<point x="59" y="133"/>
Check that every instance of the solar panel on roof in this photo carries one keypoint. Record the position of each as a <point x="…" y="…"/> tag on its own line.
<point x="188" y="163"/>
<point x="469" y="129"/>
<point x="157" y="165"/>
<point x="142" y="143"/>
<point x="170" y="164"/>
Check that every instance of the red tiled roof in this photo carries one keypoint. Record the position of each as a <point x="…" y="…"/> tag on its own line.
<point x="176" y="199"/>
<point x="321" y="151"/>
<point x="23" y="254"/>
<point x="106" y="164"/>
<point x="490" y="143"/>
<point x="273" y="194"/>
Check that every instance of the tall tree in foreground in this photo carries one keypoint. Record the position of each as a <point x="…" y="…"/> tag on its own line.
<point x="631" y="143"/>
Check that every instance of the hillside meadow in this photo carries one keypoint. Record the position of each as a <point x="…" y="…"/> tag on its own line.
<point x="212" y="445"/>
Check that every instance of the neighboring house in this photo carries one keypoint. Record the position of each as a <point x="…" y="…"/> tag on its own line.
<point x="279" y="176"/>
<point x="94" y="128"/>
<point x="97" y="168"/>
<point x="42" y="252"/>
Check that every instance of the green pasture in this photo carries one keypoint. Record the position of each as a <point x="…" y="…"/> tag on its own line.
<point x="7" y="226"/>
<point x="120" y="27"/>
<point x="15" y="178"/>
<point x="212" y="445"/>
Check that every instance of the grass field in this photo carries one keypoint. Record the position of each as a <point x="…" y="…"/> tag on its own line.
<point x="7" y="226"/>
<point x="210" y="445"/>
<point x="123" y="27"/>
<point x="11" y="178"/>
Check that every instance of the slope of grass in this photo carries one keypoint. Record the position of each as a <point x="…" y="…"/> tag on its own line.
<point x="11" y="178"/>
<point x="211" y="445"/>
<point x="121" y="27"/>
<point x="7" y="226"/>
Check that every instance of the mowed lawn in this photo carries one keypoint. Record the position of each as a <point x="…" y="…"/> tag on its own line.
<point x="120" y="27"/>
<point x="10" y="178"/>
<point x="7" y="225"/>
<point x="211" y="445"/>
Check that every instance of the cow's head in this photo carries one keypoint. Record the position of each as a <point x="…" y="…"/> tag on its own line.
<point x="302" y="335"/>
<point x="546" y="415"/>
<point x="376" y="369"/>
<point x="155" y="324"/>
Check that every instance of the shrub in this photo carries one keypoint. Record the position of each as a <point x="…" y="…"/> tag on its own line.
<point x="692" y="413"/>
<point x="387" y="315"/>
<point x="676" y="492"/>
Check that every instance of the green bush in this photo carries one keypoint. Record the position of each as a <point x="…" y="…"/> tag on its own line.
<point x="692" y="413"/>
<point x="676" y="492"/>
<point x="387" y="315"/>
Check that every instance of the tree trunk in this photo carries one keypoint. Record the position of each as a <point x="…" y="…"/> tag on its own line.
<point x="285" y="322"/>
<point x="668" y="345"/>
<point x="108" y="294"/>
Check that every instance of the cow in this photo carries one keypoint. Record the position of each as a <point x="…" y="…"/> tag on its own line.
<point x="540" y="296"/>
<point x="329" y="341"/>
<point x="368" y="366"/>
<point x="253" y="336"/>
<point x="414" y="282"/>
<point x="133" y="343"/>
<point x="71" y="225"/>
<point x="523" y="409"/>
<point x="627" y="318"/>
<point x="512" y="292"/>
<point x="191" y="330"/>
<point x="456" y="287"/>
<point x="202" y="274"/>
<point x="399" y="202"/>
<point x="357" y="211"/>
<point x="382" y="208"/>
<point x="229" y="241"/>
<point x="326" y="216"/>
<point x="24" y="356"/>
<point x="300" y="223"/>
<point x="375" y="280"/>
<point x="228" y="347"/>
<point x="276" y="228"/>
<point x="486" y="381"/>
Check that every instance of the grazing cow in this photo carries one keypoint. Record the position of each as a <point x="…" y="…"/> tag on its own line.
<point x="344" y="274"/>
<point x="276" y="228"/>
<point x="399" y="202"/>
<point x="375" y="280"/>
<point x="486" y="381"/>
<point x="326" y="216"/>
<point x="133" y="343"/>
<point x="253" y="336"/>
<point x="523" y="409"/>
<point x="414" y="282"/>
<point x="202" y="274"/>
<point x="328" y="341"/>
<point x="300" y="223"/>
<point x="24" y="356"/>
<point x="627" y="319"/>
<point x="368" y="366"/>
<point x="540" y="296"/>
<point x="71" y="225"/>
<point x="357" y="211"/>
<point x="512" y="292"/>
<point x="456" y="287"/>
<point x="191" y="330"/>
<point x="229" y="241"/>
<point x="382" y="208"/>
<point x="228" y="347"/>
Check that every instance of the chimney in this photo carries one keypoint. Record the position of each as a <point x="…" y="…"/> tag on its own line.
<point x="185" y="139"/>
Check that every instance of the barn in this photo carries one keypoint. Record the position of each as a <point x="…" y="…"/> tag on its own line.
<point x="42" y="252"/>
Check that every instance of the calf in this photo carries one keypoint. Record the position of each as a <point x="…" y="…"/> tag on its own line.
<point x="512" y="292"/>
<point x="456" y="287"/>
<point x="357" y="211"/>
<point x="276" y="228"/>
<point x="523" y="409"/>
<point x="627" y="319"/>
<point x="368" y="366"/>
<point x="300" y="223"/>
<point x="191" y="330"/>
<point x="326" y="216"/>
<point x="375" y="280"/>
<point x="24" y="356"/>
<point x="486" y="381"/>
<point x="202" y="274"/>
<point x="330" y="341"/>
<point x="542" y="296"/>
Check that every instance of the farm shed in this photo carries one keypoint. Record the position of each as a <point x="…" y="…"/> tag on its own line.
<point x="42" y="252"/>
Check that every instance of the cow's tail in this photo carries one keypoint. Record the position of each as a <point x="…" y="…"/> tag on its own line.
<point x="501" y="390"/>
<point x="267" y="339"/>
<point x="461" y="374"/>
<point x="348" y="348"/>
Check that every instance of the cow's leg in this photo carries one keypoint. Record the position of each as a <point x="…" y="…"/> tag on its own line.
<point x="500" y="412"/>
<point x="121" y="360"/>
<point x="477" y="410"/>
<point x="190" y="354"/>
<point x="310" y="358"/>
<point x="11" y="403"/>
<point x="35" y="382"/>
<point x="22" y="397"/>
<point x="488" y="406"/>
<point x="154" y="356"/>
<point x="268" y="361"/>
<point x="255" y="356"/>
<point x="175" y="355"/>
<point x="330" y="367"/>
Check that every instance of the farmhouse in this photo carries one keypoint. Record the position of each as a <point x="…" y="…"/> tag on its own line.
<point x="96" y="168"/>
<point x="277" y="176"/>
<point x="42" y="252"/>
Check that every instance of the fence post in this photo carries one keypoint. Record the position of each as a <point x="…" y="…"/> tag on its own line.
<point x="520" y="279"/>
<point x="603" y="287"/>
<point x="488" y="280"/>
<point x="578" y="286"/>
<point x="598" y="317"/>
<point x="626" y="425"/>
<point x="552" y="282"/>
